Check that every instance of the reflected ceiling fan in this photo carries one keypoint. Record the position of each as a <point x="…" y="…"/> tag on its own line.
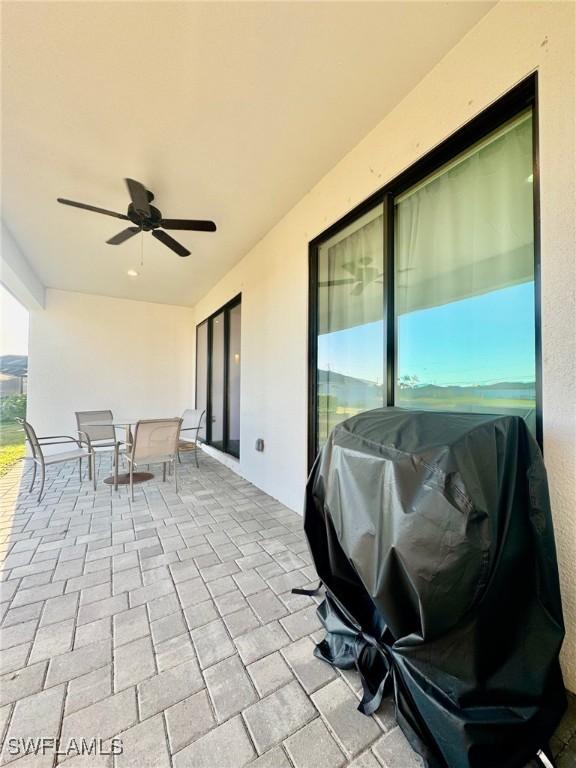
<point x="362" y="274"/>
<point x="147" y="218"/>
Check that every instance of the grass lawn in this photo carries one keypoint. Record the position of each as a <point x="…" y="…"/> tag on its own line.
<point x="11" y="445"/>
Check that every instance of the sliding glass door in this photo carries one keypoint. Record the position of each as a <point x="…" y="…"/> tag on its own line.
<point x="202" y="373"/>
<point x="233" y="375"/>
<point x="427" y="296"/>
<point x="217" y="397"/>
<point x="218" y="376"/>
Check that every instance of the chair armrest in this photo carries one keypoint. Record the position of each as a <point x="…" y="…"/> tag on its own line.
<point x="191" y="429"/>
<point x="59" y="440"/>
<point x="85" y="438"/>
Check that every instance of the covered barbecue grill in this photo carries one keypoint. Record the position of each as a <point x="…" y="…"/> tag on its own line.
<point x="433" y="536"/>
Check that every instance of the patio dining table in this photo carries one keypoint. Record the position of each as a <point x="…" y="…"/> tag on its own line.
<point x="127" y="424"/>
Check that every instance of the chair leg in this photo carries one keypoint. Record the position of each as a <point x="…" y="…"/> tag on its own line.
<point x="132" y="481"/>
<point x="80" y="470"/>
<point x="33" y="478"/>
<point x="93" y="465"/>
<point x="116" y="462"/>
<point x="175" y="475"/>
<point x="196" y="456"/>
<point x="164" y="472"/>
<point x="42" y="481"/>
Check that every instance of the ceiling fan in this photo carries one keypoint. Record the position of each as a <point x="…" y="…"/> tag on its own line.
<point x="147" y="218"/>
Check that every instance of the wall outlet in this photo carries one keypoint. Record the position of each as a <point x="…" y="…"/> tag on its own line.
<point x="259" y="444"/>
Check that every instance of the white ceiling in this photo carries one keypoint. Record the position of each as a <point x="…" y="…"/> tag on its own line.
<point x="230" y="111"/>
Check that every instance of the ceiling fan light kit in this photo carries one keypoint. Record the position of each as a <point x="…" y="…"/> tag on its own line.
<point x="146" y="218"/>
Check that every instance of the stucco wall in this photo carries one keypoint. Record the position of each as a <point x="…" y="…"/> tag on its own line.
<point x="90" y="352"/>
<point x="513" y="40"/>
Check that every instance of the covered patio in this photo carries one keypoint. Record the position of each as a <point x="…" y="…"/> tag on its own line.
<point x="372" y="208"/>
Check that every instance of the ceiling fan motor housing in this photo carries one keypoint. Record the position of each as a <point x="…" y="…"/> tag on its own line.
<point x="147" y="223"/>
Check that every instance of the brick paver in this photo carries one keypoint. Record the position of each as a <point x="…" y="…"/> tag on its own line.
<point x="169" y="623"/>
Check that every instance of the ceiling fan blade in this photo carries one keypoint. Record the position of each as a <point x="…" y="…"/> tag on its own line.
<point x="165" y="238"/>
<point x="196" y="225"/>
<point x="139" y="196"/>
<point x="124" y="235"/>
<point x="92" y="208"/>
<point x="331" y="283"/>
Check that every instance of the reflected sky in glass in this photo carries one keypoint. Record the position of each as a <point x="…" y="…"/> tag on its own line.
<point x="479" y="340"/>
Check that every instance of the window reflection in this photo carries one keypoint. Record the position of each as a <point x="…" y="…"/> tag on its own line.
<point x="350" y="350"/>
<point x="465" y="281"/>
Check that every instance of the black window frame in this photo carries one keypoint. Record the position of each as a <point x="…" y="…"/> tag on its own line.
<point x="521" y="97"/>
<point x="225" y="312"/>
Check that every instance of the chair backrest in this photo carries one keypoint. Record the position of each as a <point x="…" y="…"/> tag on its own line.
<point x="155" y="439"/>
<point x="104" y="432"/>
<point x="193" y="418"/>
<point x="32" y="439"/>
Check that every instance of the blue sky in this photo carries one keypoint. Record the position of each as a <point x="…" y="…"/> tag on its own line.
<point x="478" y="340"/>
<point x="13" y="325"/>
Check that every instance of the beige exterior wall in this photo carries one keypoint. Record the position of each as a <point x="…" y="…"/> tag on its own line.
<point x="91" y="352"/>
<point x="512" y="41"/>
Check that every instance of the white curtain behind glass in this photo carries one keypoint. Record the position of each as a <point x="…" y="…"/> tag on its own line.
<point x="350" y="276"/>
<point x="350" y="310"/>
<point x="465" y="319"/>
<point x="465" y="231"/>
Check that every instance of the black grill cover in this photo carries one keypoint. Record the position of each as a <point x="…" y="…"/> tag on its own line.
<point x="433" y="536"/>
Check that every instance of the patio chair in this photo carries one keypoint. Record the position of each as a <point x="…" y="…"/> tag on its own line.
<point x="98" y="438"/>
<point x="191" y="425"/>
<point x="154" y="441"/>
<point x="37" y="444"/>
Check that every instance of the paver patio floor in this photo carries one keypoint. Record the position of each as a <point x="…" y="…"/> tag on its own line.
<point x="169" y="624"/>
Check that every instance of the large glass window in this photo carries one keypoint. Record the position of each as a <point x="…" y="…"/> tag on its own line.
<point x="464" y="282"/>
<point x="218" y="377"/>
<point x="202" y="372"/>
<point x="428" y="298"/>
<point x="235" y="319"/>
<point x="350" y="322"/>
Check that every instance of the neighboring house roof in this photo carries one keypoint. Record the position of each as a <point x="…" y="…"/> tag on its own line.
<point x="14" y="365"/>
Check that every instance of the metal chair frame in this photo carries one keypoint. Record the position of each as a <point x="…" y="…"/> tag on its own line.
<point x="94" y="444"/>
<point x="130" y="450"/>
<point x="39" y="460"/>
<point x="189" y="445"/>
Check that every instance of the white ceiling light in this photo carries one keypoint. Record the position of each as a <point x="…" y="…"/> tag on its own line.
<point x="132" y="273"/>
